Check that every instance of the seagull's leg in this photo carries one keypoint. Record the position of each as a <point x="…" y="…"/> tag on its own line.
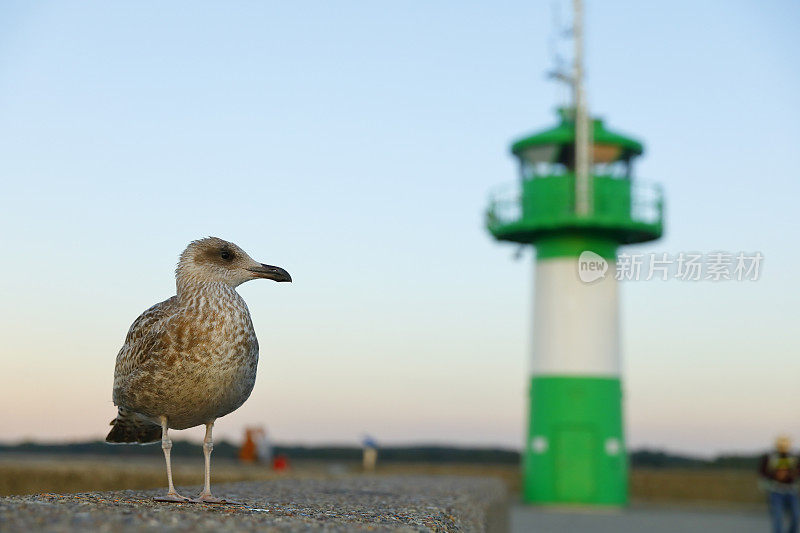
<point x="166" y="445"/>
<point x="208" y="447"/>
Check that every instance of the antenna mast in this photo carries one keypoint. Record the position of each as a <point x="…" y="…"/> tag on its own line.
<point x="583" y="157"/>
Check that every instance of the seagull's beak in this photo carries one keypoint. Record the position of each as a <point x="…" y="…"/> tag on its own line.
<point x="270" y="272"/>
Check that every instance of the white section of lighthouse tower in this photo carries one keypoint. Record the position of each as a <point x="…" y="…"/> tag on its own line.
<point x="575" y="324"/>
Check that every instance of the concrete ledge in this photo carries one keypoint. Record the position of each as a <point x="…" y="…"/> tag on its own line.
<point x="358" y="503"/>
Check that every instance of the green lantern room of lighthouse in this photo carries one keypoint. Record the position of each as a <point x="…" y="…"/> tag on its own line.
<point x="541" y="208"/>
<point x="575" y="447"/>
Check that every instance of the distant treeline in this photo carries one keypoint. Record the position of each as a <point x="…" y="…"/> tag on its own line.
<point x="433" y="454"/>
<point x="660" y="459"/>
<point x="426" y="454"/>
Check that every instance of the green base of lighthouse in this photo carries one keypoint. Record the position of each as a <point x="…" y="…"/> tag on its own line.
<point x="575" y="452"/>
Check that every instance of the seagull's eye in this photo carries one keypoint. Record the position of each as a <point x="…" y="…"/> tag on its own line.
<point x="226" y="255"/>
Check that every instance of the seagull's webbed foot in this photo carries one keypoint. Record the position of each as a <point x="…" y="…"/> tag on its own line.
<point x="173" y="497"/>
<point x="207" y="497"/>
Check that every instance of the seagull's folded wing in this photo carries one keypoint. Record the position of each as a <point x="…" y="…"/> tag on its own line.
<point x="142" y="340"/>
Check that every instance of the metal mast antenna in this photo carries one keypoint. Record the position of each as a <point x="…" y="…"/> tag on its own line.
<point x="583" y="157"/>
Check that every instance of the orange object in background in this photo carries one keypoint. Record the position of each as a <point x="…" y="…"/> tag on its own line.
<point x="280" y="463"/>
<point x="247" y="453"/>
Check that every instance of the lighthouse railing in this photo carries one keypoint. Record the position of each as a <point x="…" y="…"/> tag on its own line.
<point x="506" y="206"/>
<point x="647" y="203"/>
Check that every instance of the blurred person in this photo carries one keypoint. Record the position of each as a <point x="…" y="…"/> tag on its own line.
<point x="780" y="478"/>
<point x="370" y="457"/>
<point x="263" y="446"/>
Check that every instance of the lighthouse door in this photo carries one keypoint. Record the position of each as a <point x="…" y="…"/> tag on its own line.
<point x="575" y="464"/>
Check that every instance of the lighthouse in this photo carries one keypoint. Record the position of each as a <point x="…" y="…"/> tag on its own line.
<point x="576" y="201"/>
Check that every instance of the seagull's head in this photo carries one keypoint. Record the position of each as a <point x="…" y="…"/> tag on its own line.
<point x="213" y="260"/>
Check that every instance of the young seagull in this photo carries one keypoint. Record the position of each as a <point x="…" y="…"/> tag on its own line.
<point x="192" y="358"/>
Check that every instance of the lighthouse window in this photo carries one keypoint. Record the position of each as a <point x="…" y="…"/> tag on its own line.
<point x="621" y="169"/>
<point x="527" y="170"/>
<point x="616" y="169"/>
<point x="558" y="169"/>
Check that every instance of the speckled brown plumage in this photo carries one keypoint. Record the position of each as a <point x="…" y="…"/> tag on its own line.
<point x="192" y="359"/>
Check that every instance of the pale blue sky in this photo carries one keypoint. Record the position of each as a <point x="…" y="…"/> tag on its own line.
<point x="354" y="143"/>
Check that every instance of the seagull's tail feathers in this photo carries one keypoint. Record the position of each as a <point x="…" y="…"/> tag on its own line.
<point x="130" y="428"/>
